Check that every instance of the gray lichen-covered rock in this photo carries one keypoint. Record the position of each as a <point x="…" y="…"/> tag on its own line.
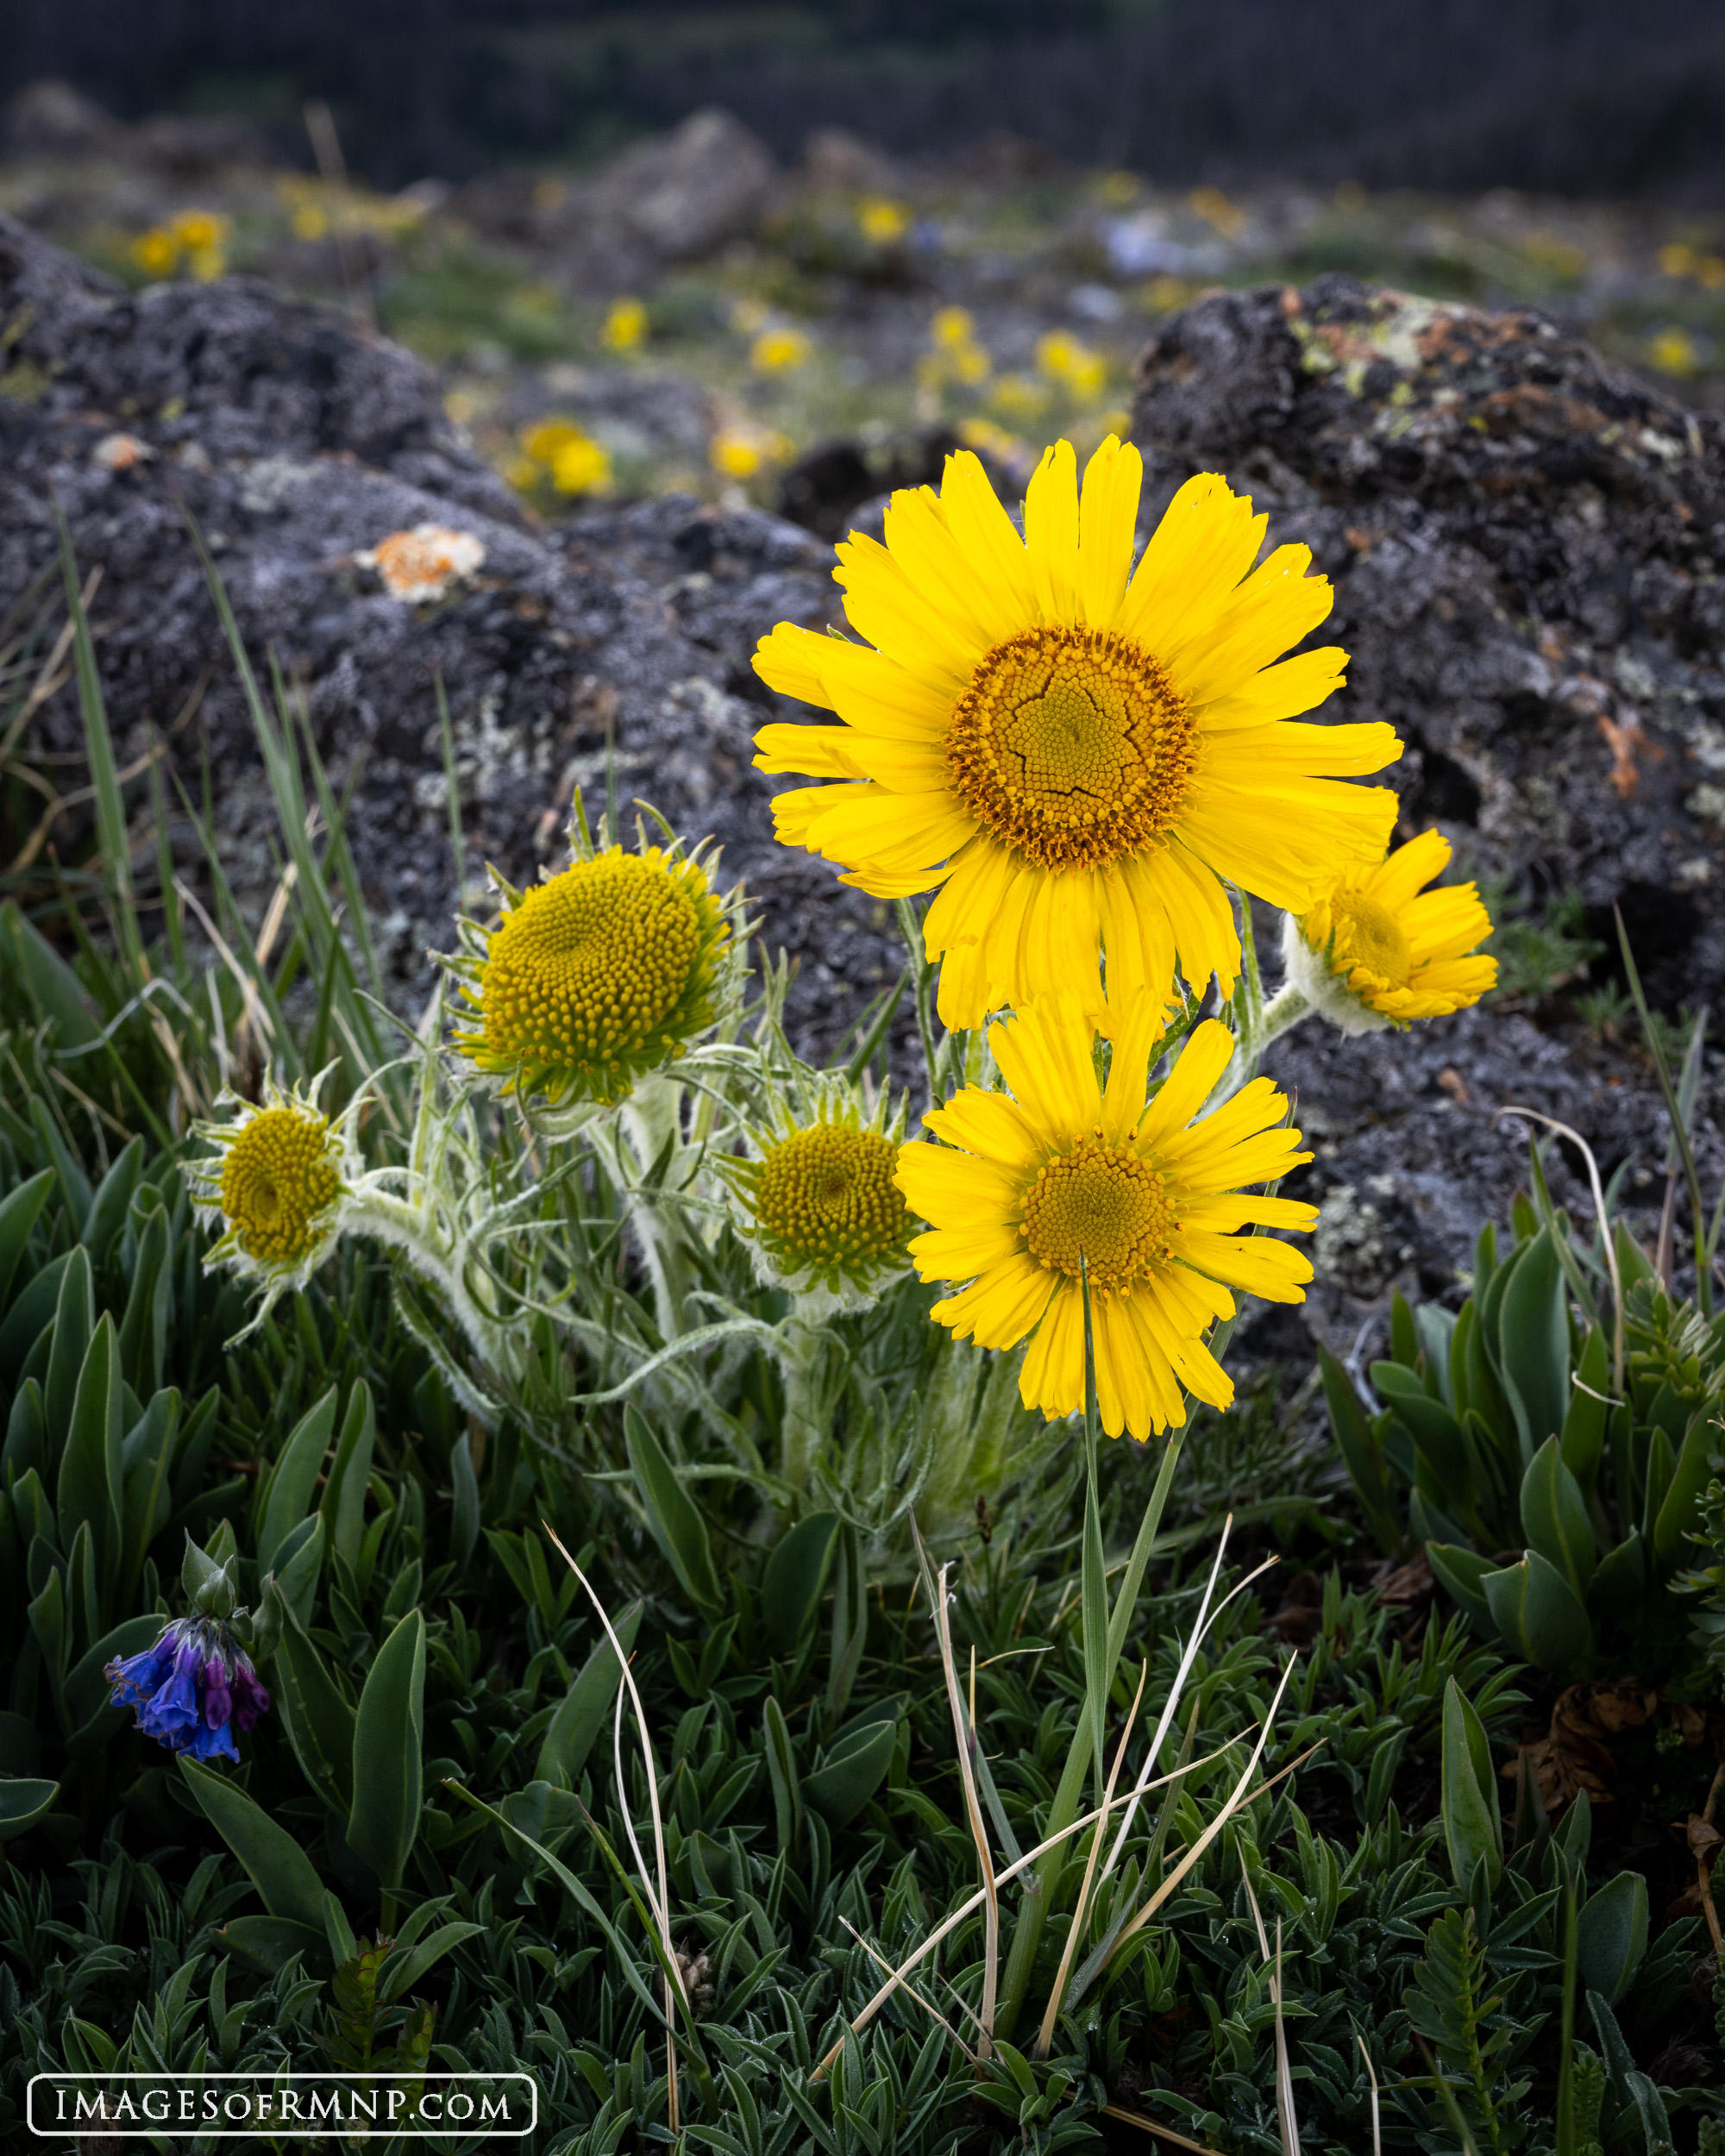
<point x="1525" y="544"/>
<point x="297" y="443"/>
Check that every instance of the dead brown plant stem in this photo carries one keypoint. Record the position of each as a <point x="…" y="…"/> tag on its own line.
<point x="1045" y="2036"/>
<point x="961" y="1729"/>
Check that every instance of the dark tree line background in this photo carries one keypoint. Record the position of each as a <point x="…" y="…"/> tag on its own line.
<point x="1601" y="97"/>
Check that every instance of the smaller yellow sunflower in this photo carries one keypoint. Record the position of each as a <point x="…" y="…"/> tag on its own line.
<point x="278" y="1183"/>
<point x="1152" y="1200"/>
<point x="818" y="1202"/>
<point x="1379" y="949"/>
<point x="594" y="977"/>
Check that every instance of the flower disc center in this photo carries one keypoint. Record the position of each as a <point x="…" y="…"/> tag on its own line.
<point x="276" y="1180"/>
<point x="1071" y="745"/>
<point x="1368" y="934"/>
<point x="1105" y="1203"/>
<point x="588" y="964"/>
<point x="826" y="1197"/>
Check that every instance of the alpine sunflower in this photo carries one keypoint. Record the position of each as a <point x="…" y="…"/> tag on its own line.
<point x="594" y="977"/>
<point x="1151" y="1199"/>
<point x="279" y="1182"/>
<point x="1077" y="758"/>
<point x="1379" y="949"/>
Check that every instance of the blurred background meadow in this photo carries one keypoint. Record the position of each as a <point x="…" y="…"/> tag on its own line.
<point x="792" y="252"/>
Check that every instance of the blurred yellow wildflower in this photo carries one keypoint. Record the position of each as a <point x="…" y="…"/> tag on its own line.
<point x="1562" y="257"/>
<point x="1064" y="358"/>
<point x="1673" y="352"/>
<point x="557" y="449"/>
<point x="625" y="326"/>
<point x="955" y="353"/>
<point x="1218" y="212"/>
<point x="1677" y="259"/>
<point x="1013" y="457"/>
<point x="195" y="238"/>
<point x="310" y="221"/>
<point x="1119" y="188"/>
<point x="1019" y="396"/>
<point x="883" y="219"/>
<point x="742" y="449"/>
<point x="747" y="315"/>
<point x="155" y="252"/>
<point x="777" y="351"/>
<point x="1162" y="295"/>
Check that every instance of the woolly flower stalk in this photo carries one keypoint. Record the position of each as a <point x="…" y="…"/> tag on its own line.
<point x="1028" y="1190"/>
<point x="278" y="1183"/>
<point x="1377" y="950"/>
<point x="593" y="978"/>
<point x="1076" y="756"/>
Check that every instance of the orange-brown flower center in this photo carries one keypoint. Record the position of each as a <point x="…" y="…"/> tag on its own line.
<point x="1073" y="746"/>
<point x="1105" y="1204"/>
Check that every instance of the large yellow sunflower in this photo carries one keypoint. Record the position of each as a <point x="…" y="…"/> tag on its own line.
<point x="1078" y="756"/>
<point x="1377" y="948"/>
<point x="1152" y="1199"/>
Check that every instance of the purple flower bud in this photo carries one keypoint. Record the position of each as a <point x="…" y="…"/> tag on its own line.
<point x="212" y="1688"/>
<point x="250" y="1699"/>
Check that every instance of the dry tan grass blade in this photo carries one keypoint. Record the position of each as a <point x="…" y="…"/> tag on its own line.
<point x="659" y="1904"/>
<point x="962" y="1726"/>
<point x="1371" y="2072"/>
<point x="1216" y="1825"/>
<point x="934" y="2012"/>
<point x="1023" y="1864"/>
<point x="1150" y="2126"/>
<point x="1045" y="2036"/>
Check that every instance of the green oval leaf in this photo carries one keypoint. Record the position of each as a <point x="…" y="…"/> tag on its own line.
<point x="1555" y="1517"/>
<point x="672" y="1515"/>
<point x="276" y="1864"/>
<point x="795" y="1576"/>
<point x="389" y="1737"/>
<point x="840" y="1789"/>
<point x="1472" y="1827"/>
<point x="1533" y="1342"/>
<point x="1611" y="1935"/>
<point x="581" y="1716"/>
<point x="318" y="1718"/>
<point x="287" y="1497"/>
<point x="22" y="1802"/>
<point x="1539" y="1614"/>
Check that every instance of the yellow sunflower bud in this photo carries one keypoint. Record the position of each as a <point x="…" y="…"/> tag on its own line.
<point x="595" y="977"/>
<point x="277" y="1183"/>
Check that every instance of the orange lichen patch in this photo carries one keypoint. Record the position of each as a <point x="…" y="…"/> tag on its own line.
<point x="422" y="564"/>
<point x="119" y="452"/>
<point x="1623" y="741"/>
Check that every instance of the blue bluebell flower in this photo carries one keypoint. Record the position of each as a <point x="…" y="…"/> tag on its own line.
<point x="192" y="1689"/>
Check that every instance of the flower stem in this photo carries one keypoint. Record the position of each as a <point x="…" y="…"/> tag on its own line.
<point x="802" y="1365"/>
<point x="1268" y="1023"/>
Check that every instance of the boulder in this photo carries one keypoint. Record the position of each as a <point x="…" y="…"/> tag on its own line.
<point x="296" y="443"/>
<point x="1525" y="544"/>
<point x="685" y="194"/>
